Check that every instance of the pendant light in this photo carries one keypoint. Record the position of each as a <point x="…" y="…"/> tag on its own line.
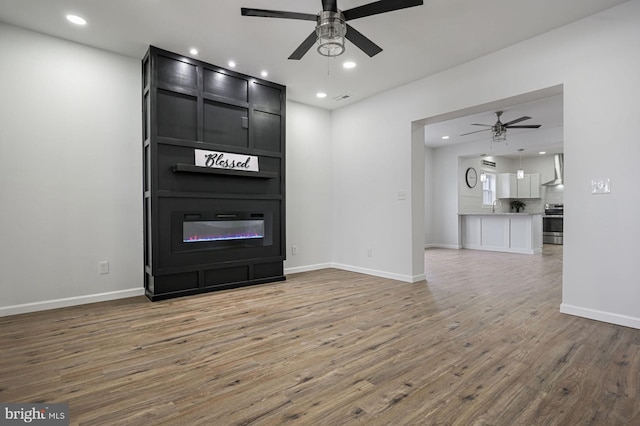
<point x="520" y="172"/>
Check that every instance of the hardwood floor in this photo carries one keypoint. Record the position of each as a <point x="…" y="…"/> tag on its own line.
<point x="481" y="343"/>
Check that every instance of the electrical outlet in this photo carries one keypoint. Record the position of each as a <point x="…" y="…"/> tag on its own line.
<point x="103" y="267"/>
<point x="402" y="195"/>
<point x="369" y="252"/>
<point x="294" y="250"/>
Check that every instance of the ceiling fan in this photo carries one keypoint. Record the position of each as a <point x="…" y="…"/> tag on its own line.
<point x="499" y="130"/>
<point x="331" y="27"/>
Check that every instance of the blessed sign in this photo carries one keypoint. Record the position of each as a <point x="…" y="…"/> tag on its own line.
<point x="225" y="160"/>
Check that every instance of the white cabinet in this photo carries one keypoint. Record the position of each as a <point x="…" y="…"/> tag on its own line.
<point x="535" y="185"/>
<point x="510" y="187"/>
<point x="506" y="186"/>
<point x="524" y="187"/>
<point x="507" y="232"/>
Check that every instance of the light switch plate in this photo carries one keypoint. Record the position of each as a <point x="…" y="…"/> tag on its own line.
<point x="601" y="186"/>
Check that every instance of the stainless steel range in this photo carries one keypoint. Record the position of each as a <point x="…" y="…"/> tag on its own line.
<point x="552" y="224"/>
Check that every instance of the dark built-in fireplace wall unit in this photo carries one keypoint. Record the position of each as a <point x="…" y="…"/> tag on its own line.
<point x="216" y="225"/>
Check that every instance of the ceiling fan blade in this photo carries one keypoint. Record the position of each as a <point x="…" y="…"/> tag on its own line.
<point x="477" y="131"/>
<point x="363" y="43"/>
<point x="486" y="125"/>
<point x="377" y="7"/>
<point x="277" y="14"/>
<point x="329" y="5"/>
<point x="305" y="46"/>
<point x="526" y="126"/>
<point x="517" y="120"/>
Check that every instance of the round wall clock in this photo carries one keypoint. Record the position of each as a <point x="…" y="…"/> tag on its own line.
<point x="471" y="177"/>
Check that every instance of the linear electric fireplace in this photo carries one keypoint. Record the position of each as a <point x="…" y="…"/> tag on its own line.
<point x="214" y="187"/>
<point x="221" y="231"/>
<point x="207" y="231"/>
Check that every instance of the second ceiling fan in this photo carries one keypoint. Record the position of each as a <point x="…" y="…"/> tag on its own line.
<point x="331" y="27"/>
<point x="499" y="129"/>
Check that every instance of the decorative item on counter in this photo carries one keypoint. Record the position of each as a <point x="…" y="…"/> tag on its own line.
<point x="517" y="204"/>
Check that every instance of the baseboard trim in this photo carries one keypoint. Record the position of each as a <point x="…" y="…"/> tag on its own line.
<point x="603" y="316"/>
<point x="69" y="301"/>
<point x="501" y="249"/>
<point x="307" y="268"/>
<point x="123" y="294"/>
<point x="382" y="274"/>
<point x="444" y="246"/>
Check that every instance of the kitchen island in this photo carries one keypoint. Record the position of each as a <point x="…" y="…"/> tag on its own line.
<point x="506" y="232"/>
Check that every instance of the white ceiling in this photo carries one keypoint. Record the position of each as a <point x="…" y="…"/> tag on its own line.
<point x="417" y="42"/>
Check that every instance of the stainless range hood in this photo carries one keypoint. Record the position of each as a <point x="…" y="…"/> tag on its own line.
<point x="558" y="169"/>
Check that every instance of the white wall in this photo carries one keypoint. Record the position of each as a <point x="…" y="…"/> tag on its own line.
<point x="596" y="60"/>
<point x="429" y="208"/>
<point x="372" y="154"/>
<point x="70" y="173"/>
<point x="309" y="200"/>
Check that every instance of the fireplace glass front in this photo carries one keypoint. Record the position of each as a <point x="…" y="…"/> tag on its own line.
<point x="222" y="230"/>
<point x="230" y="234"/>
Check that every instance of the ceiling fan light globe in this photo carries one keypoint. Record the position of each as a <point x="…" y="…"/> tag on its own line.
<point x="331" y="49"/>
<point x="499" y="136"/>
<point x="330" y="31"/>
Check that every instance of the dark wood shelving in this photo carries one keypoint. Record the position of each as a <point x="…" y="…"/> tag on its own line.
<point x="190" y="168"/>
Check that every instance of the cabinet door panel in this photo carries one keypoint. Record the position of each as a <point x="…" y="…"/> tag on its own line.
<point x="535" y="185"/>
<point x="506" y="186"/>
<point x="524" y="187"/>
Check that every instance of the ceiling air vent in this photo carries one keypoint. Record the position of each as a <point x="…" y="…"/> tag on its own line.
<point x="341" y="97"/>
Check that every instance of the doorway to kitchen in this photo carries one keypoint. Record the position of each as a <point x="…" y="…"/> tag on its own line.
<point x="447" y="192"/>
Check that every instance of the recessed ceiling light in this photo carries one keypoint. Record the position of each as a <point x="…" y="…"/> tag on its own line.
<point x="76" y="20"/>
<point x="264" y="73"/>
<point x="445" y="137"/>
<point x="349" y="64"/>
<point x="542" y="152"/>
<point x="232" y="64"/>
<point x="321" y="95"/>
<point x="193" y="51"/>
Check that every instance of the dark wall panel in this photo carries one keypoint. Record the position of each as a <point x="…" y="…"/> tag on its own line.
<point x="228" y="86"/>
<point x="214" y="277"/>
<point x="177" y="73"/>
<point x="226" y="124"/>
<point x="266" y="97"/>
<point x="176" y="282"/>
<point x="168" y="180"/>
<point x="266" y="128"/>
<point x="209" y="228"/>
<point x="177" y="115"/>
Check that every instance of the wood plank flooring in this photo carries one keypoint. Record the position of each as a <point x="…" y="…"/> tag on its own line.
<point x="482" y="342"/>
